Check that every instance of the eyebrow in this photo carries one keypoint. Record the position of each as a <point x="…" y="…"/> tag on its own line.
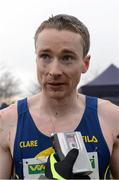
<point x="63" y="51"/>
<point x="45" y="50"/>
<point x="69" y="51"/>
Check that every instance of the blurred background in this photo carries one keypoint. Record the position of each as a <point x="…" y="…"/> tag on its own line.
<point x="19" y="20"/>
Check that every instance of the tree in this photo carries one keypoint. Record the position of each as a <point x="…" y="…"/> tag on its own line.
<point x="9" y="85"/>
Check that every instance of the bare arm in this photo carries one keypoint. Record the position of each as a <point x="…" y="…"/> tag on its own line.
<point x="109" y="114"/>
<point x="5" y="158"/>
<point x="114" y="118"/>
<point x="8" y="118"/>
<point x="115" y="160"/>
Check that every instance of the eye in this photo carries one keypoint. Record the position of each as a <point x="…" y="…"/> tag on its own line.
<point x="45" y="57"/>
<point x="67" y="58"/>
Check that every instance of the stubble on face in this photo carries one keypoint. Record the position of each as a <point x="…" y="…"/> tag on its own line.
<point x="56" y="41"/>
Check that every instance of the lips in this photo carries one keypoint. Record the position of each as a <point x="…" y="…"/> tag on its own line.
<point x="55" y="86"/>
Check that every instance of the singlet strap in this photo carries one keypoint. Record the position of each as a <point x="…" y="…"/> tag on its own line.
<point x="22" y="106"/>
<point x="91" y="102"/>
<point x="21" y="109"/>
<point x="17" y="153"/>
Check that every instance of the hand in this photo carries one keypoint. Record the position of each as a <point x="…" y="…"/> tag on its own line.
<point x="62" y="170"/>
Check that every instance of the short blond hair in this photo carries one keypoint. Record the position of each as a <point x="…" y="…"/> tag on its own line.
<point x="66" y="22"/>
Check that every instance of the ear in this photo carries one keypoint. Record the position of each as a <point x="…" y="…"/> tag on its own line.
<point x="86" y="63"/>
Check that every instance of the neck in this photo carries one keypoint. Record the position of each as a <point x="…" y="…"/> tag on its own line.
<point x="59" y="106"/>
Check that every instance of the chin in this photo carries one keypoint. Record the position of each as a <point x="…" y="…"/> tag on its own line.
<point x="56" y="95"/>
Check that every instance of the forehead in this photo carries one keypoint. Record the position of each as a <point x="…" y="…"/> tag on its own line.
<point x="52" y="38"/>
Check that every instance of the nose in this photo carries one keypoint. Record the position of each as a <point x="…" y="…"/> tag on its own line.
<point x="55" y="69"/>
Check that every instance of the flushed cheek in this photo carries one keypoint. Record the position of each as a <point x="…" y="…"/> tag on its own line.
<point x="75" y="78"/>
<point x="41" y="76"/>
<point x="75" y="82"/>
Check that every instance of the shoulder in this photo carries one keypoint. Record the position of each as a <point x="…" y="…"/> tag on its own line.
<point x="109" y="112"/>
<point x="8" y="121"/>
<point x="8" y="116"/>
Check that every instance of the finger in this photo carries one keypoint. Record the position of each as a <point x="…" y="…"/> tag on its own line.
<point x="71" y="156"/>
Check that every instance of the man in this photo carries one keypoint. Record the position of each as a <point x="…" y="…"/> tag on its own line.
<point x="61" y="45"/>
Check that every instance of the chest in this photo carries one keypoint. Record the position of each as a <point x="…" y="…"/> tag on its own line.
<point x="50" y="124"/>
<point x="28" y="132"/>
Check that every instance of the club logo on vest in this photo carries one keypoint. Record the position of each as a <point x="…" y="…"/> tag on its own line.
<point x="31" y="143"/>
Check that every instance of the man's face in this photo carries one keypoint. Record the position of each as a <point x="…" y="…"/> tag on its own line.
<point x="60" y="62"/>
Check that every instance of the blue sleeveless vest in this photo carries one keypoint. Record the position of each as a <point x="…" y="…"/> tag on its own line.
<point x="30" y="142"/>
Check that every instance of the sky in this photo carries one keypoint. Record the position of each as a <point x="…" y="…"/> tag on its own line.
<point x="19" y="20"/>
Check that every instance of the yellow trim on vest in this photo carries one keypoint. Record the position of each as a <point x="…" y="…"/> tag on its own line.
<point x="106" y="172"/>
<point x="111" y="177"/>
<point x="16" y="176"/>
<point x="54" y="172"/>
<point x="45" y="152"/>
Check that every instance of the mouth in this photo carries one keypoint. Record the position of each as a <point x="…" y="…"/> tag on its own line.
<point x="55" y="86"/>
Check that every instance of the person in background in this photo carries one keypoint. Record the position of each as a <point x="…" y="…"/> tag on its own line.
<point x="61" y="45"/>
<point x="3" y="105"/>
